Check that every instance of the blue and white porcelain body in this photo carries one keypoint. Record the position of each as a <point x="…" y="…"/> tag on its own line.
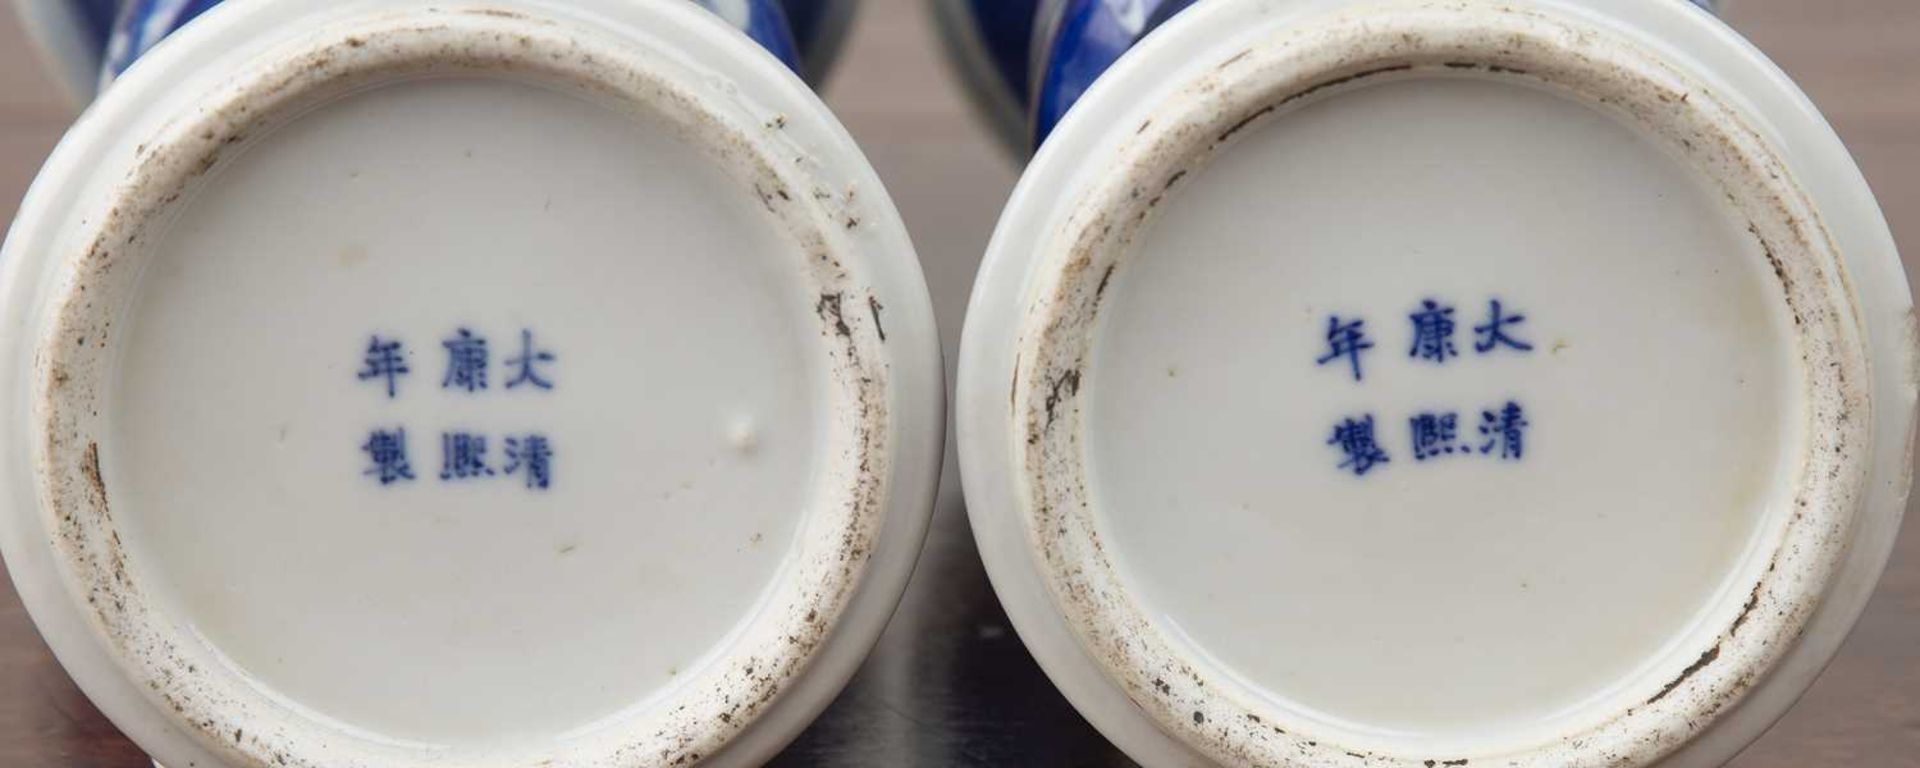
<point x="90" y="42"/>
<point x="1025" y="62"/>
<point x="520" y="383"/>
<point x="1423" y="383"/>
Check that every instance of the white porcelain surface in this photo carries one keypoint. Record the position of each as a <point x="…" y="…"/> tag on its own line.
<point x="1437" y="599"/>
<point x="666" y="443"/>
<point x="1210" y="578"/>
<point x="697" y="302"/>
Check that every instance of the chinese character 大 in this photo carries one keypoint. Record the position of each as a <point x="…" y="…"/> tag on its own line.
<point x="525" y="364"/>
<point x="1494" y="334"/>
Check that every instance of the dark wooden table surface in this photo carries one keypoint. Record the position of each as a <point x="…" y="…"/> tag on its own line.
<point x="949" y="683"/>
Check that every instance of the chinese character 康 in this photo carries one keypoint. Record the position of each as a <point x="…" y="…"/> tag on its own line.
<point x="533" y="455"/>
<point x="466" y="362"/>
<point x="1346" y="340"/>
<point x="1494" y="333"/>
<point x="526" y="361"/>
<point x="388" y="452"/>
<point x="1433" y="434"/>
<point x="463" y="455"/>
<point x="1354" y="438"/>
<point x="384" y="361"/>
<point x="1432" y="332"/>
<point x="1504" y="430"/>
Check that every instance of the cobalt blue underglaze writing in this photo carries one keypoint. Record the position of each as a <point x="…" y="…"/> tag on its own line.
<point x="464" y="455"/>
<point x="466" y="362"/>
<point x="525" y="363"/>
<point x="385" y="362"/>
<point x="1493" y="334"/>
<point x="387" y="450"/>
<point x="1431" y="434"/>
<point x="1432" y="332"/>
<point x="1434" y="434"/>
<point x="1354" y="437"/>
<point x="1346" y="339"/>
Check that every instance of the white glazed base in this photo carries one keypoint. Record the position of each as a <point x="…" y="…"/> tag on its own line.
<point x="1168" y="520"/>
<point x="706" y="446"/>
<point x="722" y="338"/>
<point x="1392" y="599"/>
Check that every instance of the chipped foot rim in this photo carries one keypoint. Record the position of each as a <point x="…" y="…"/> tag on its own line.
<point x="725" y="526"/>
<point x="1717" y="382"/>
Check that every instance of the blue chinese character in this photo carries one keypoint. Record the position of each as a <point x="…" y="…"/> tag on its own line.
<point x="466" y="362"/>
<point x="388" y="452"/>
<point x="526" y="361"/>
<point x="1494" y="333"/>
<point x="384" y="361"/>
<point x="463" y="455"/>
<point x="1432" y="332"/>
<point x="1504" y="429"/>
<point x="532" y="455"/>
<point x="1354" y="438"/>
<point x="1433" y="434"/>
<point x="1346" y="340"/>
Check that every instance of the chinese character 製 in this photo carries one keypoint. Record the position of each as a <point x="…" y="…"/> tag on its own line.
<point x="384" y="361"/>
<point x="1504" y="431"/>
<point x="1494" y="333"/>
<point x="463" y="455"/>
<point x="526" y="361"/>
<point x="532" y="455"/>
<point x="387" y="449"/>
<point x="1346" y="340"/>
<point x="1432" y="332"/>
<point x="1354" y="439"/>
<point x="1433" y="434"/>
<point x="466" y="362"/>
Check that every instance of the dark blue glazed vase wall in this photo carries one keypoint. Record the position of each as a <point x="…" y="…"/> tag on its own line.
<point x="805" y="34"/>
<point x="1025" y="62"/>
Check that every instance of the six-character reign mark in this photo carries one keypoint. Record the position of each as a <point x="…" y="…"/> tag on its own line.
<point x="1432" y="434"/>
<point x="463" y="454"/>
